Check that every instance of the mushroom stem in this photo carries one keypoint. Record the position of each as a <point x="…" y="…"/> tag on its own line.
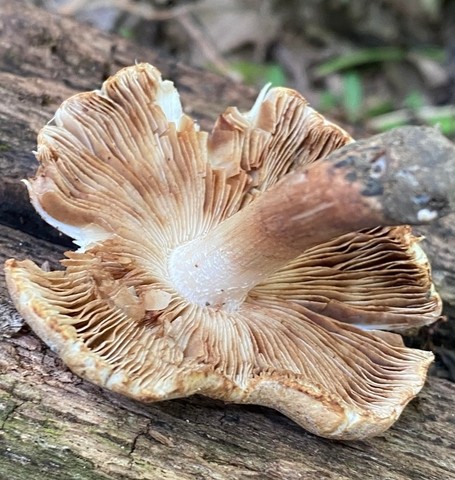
<point x="386" y="180"/>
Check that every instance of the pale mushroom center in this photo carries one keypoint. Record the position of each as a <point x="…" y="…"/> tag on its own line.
<point x="219" y="269"/>
<point x="211" y="277"/>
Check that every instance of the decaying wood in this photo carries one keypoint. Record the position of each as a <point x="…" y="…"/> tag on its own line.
<point x="54" y="425"/>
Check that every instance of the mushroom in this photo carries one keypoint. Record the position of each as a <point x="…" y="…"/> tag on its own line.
<point x="259" y="264"/>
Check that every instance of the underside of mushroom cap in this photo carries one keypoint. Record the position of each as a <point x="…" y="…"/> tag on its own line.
<point x="332" y="378"/>
<point x="130" y="177"/>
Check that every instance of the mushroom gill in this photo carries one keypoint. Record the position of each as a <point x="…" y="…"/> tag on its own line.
<point x="179" y="287"/>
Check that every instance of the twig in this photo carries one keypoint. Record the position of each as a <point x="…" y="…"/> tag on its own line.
<point x="206" y="47"/>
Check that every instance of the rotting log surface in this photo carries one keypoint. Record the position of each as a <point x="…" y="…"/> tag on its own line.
<point x="54" y="425"/>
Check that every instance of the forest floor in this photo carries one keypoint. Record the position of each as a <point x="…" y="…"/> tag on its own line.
<point x="369" y="65"/>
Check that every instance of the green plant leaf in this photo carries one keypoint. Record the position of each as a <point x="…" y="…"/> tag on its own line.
<point x="359" y="58"/>
<point x="258" y="74"/>
<point x="414" y="100"/>
<point x="353" y="96"/>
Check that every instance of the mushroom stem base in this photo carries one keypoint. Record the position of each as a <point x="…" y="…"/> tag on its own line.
<point x="304" y="209"/>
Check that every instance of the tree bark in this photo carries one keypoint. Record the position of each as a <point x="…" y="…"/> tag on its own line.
<point x="54" y="425"/>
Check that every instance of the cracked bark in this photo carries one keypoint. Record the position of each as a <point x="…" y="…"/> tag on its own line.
<point x="54" y="425"/>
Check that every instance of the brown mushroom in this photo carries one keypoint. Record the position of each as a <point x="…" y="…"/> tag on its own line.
<point x="226" y="264"/>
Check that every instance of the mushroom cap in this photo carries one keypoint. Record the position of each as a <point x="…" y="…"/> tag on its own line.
<point x="130" y="177"/>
